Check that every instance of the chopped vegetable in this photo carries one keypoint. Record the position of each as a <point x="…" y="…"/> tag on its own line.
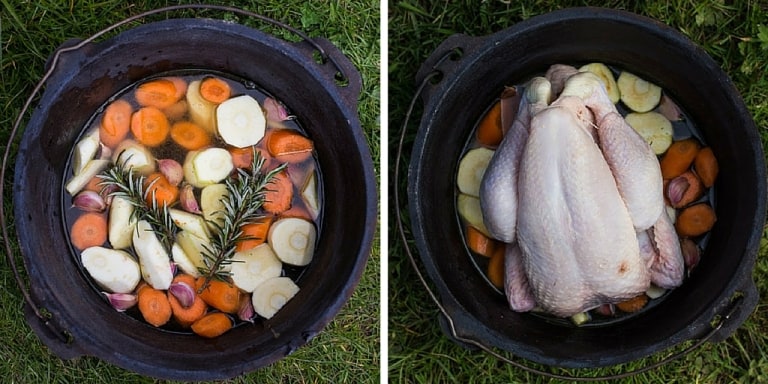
<point x="153" y="257"/>
<point x="183" y="261"/>
<point x="581" y="318"/>
<point x="695" y="220"/>
<point x="471" y="170"/>
<point x="116" y="123"/>
<point x="489" y="132"/>
<point x="150" y="126"/>
<point x="89" y="230"/>
<point x="193" y="247"/>
<point x="201" y="111"/>
<point x="706" y="166"/>
<point x="185" y="315"/>
<point x="159" y="191"/>
<point x="287" y="145"/>
<point x="240" y="121"/>
<point x="678" y="158"/>
<point x="212" y="325"/>
<point x="112" y="269"/>
<point x="132" y="155"/>
<point x="606" y="76"/>
<point x="212" y="203"/>
<point x="243" y="157"/>
<point x="254" y="234"/>
<point x="190" y="135"/>
<point x="495" y="269"/>
<point x="221" y="295"/>
<point x="160" y="93"/>
<point x="273" y="294"/>
<point x="469" y="210"/>
<point x="154" y="306"/>
<point x="190" y="222"/>
<point x="254" y="266"/>
<point x="634" y="304"/>
<point x="309" y="194"/>
<point x="684" y="189"/>
<point x="215" y="90"/>
<point x="208" y="166"/>
<point x="637" y="94"/>
<point x="279" y="194"/>
<point x="85" y="150"/>
<point x="655" y="129"/>
<point x="293" y="240"/>
<point x="654" y="292"/>
<point x="91" y="169"/>
<point x="121" y="223"/>
<point x="179" y="84"/>
<point x="480" y="243"/>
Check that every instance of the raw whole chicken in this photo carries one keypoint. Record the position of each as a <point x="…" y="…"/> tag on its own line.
<point x="577" y="195"/>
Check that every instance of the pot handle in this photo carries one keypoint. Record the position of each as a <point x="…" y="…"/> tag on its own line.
<point x="444" y="60"/>
<point x="343" y="74"/>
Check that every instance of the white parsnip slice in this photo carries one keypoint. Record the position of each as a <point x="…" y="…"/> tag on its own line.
<point x="201" y="111"/>
<point x="271" y="295"/>
<point x="471" y="170"/>
<point x="91" y="169"/>
<point x="114" y="270"/>
<point x="190" y="222"/>
<point x="154" y="260"/>
<point x="212" y="203"/>
<point x="252" y="267"/>
<point x="130" y="154"/>
<point x="85" y="150"/>
<point x="309" y="194"/>
<point x="241" y="121"/>
<point x="208" y="166"/>
<point x="606" y="76"/>
<point x="121" y="223"/>
<point x="183" y="261"/>
<point x="469" y="210"/>
<point x="655" y="129"/>
<point x="293" y="240"/>
<point x="193" y="247"/>
<point x="638" y="94"/>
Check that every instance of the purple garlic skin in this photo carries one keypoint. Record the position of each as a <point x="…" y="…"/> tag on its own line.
<point x="172" y="170"/>
<point x="121" y="301"/>
<point x="188" y="201"/>
<point x="89" y="201"/>
<point x="184" y="293"/>
<point x="246" y="312"/>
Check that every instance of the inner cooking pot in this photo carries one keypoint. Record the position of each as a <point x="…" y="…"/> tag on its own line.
<point x="82" y="81"/>
<point x="473" y="72"/>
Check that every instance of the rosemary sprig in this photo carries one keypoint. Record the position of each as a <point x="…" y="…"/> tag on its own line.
<point x="245" y="196"/>
<point x="124" y="183"/>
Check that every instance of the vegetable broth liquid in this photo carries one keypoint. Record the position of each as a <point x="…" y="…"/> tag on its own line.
<point x="682" y="129"/>
<point x="170" y="150"/>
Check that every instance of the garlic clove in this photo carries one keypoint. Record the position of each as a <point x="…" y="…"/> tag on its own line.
<point x="121" y="301"/>
<point x="606" y="309"/>
<point x="691" y="253"/>
<point x="246" y="312"/>
<point x="676" y="190"/>
<point x="669" y="109"/>
<point x="188" y="200"/>
<point x="275" y="110"/>
<point x="89" y="201"/>
<point x="172" y="170"/>
<point x="183" y="292"/>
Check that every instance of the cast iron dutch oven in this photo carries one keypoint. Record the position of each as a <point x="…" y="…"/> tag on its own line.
<point x="470" y="82"/>
<point x="82" y="82"/>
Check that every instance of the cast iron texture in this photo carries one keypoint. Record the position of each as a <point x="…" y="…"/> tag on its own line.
<point x="576" y="36"/>
<point x="83" y="81"/>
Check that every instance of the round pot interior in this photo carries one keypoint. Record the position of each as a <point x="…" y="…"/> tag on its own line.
<point x="470" y="84"/>
<point x="82" y="82"/>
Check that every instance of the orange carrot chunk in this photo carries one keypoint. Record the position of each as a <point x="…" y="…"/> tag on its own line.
<point x="489" y="132"/>
<point x="190" y="135"/>
<point x="160" y="93"/>
<point x="159" y="189"/>
<point x="695" y="220"/>
<point x="212" y="325"/>
<point x="279" y="194"/>
<point x="254" y="234"/>
<point x="496" y="268"/>
<point x="706" y="166"/>
<point x="634" y="304"/>
<point x="221" y="295"/>
<point x="89" y="230"/>
<point x="480" y="243"/>
<point x="115" y="123"/>
<point x="180" y="85"/>
<point x="154" y="306"/>
<point x="150" y="126"/>
<point x="215" y="90"/>
<point x="678" y="158"/>
<point x="289" y="146"/>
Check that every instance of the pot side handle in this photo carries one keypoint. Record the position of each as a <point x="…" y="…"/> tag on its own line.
<point x="335" y="67"/>
<point x="60" y="342"/>
<point x="736" y="310"/>
<point x="444" y="60"/>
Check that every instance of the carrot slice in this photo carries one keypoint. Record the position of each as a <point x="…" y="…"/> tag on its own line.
<point x="215" y="90"/>
<point x="254" y="234"/>
<point x="190" y="135"/>
<point x="706" y="167"/>
<point x="180" y="86"/>
<point x="289" y="146"/>
<point x="634" y="304"/>
<point x="212" y="325"/>
<point x="480" y="243"/>
<point x="496" y="268"/>
<point x="678" y="158"/>
<point x="695" y="220"/>
<point x="489" y="132"/>
<point x="154" y="306"/>
<point x="279" y="194"/>
<point x="243" y="157"/>
<point x="160" y="93"/>
<point x="89" y="230"/>
<point x="150" y="126"/>
<point x="186" y="316"/>
<point x="115" y="123"/>
<point x="176" y="111"/>
<point x="221" y="295"/>
<point x="158" y="188"/>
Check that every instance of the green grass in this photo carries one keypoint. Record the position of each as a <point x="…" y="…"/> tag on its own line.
<point x="734" y="33"/>
<point x="348" y="349"/>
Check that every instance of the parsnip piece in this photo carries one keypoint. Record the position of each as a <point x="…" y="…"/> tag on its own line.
<point x="309" y="194"/>
<point x="469" y="210"/>
<point x="273" y="294"/>
<point x="655" y="292"/>
<point x="190" y="222"/>
<point x="85" y="150"/>
<point x="201" y="111"/>
<point x="183" y="261"/>
<point x="471" y="170"/>
<point x="121" y="223"/>
<point x="637" y="94"/>
<point x="131" y="154"/>
<point x="208" y="166"/>
<point x="654" y="128"/>
<point x="241" y="121"/>
<point x="91" y="169"/>
<point x="604" y="73"/>
<point x="212" y="203"/>
<point x="154" y="260"/>
<point x="114" y="270"/>
<point x="255" y="266"/>
<point x="193" y="247"/>
<point x="293" y="240"/>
